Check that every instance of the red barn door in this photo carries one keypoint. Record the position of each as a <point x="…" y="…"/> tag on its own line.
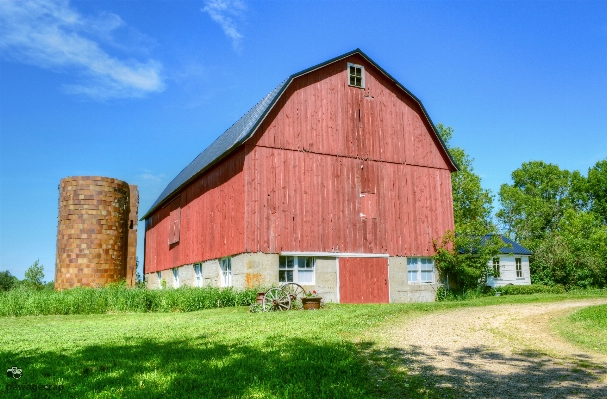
<point x="363" y="280"/>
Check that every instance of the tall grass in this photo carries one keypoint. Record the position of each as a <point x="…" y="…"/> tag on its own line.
<point x="120" y="299"/>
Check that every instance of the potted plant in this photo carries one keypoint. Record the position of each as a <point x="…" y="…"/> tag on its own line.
<point x="311" y="301"/>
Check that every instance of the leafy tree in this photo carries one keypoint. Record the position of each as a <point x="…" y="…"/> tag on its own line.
<point x="34" y="275"/>
<point x="534" y="204"/>
<point x="7" y="281"/>
<point x="597" y="189"/>
<point x="472" y="205"/>
<point x="575" y="255"/>
<point x="462" y="256"/>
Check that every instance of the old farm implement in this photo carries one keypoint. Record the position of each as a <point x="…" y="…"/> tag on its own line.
<point x="283" y="297"/>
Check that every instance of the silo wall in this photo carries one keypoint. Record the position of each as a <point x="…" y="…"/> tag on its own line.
<point x="93" y="232"/>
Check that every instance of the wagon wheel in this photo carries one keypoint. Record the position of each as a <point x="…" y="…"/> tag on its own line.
<point x="294" y="290"/>
<point x="276" y="299"/>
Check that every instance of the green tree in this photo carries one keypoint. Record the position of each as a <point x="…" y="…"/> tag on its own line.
<point x="534" y="204"/>
<point x="462" y="256"/>
<point x="34" y="275"/>
<point x="575" y="255"/>
<point x="472" y="205"/>
<point x="597" y="189"/>
<point x="7" y="281"/>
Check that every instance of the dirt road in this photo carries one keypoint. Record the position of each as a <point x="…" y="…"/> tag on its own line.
<point x="504" y="351"/>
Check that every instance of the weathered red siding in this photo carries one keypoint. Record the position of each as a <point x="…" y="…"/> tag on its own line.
<point x="314" y="156"/>
<point x="298" y="201"/>
<point x="211" y="219"/>
<point x="363" y="280"/>
<point x="320" y="113"/>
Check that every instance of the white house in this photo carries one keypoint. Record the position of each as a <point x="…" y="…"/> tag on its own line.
<point x="510" y="266"/>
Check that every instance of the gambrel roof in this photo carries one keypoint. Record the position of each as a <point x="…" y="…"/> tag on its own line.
<point x="246" y="126"/>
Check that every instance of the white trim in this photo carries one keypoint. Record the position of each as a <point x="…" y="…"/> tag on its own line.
<point x="335" y="254"/>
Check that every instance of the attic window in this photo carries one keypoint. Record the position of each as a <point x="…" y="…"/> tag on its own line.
<point x="356" y="75"/>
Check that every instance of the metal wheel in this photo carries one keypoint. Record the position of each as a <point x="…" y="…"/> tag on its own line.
<point x="276" y="299"/>
<point x="294" y="290"/>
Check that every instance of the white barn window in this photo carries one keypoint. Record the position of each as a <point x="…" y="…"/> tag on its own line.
<point x="226" y="272"/>
<point x="296" y="269"/>
<point x="198" y="274"/>
<point x="420" y="270"/>
<point x="356" y="75"/>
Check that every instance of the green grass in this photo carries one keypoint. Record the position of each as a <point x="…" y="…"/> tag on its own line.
<point x="218" y="353"/>
<point x="119" y="299"/>
<point x="586" y="327"/>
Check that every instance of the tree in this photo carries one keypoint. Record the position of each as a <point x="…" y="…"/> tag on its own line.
<point x="597" y="189"/>
<point x="7" y="281"/>
<point x="534" y="204"/>
<point x="463" y="255"/>
<point x="472" y="205"/>
<point x="34" y="275"/>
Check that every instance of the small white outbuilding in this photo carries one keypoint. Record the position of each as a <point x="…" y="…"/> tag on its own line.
<point x="510" y="266"/>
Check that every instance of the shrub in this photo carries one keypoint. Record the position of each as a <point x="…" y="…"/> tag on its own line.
<point x="530" y="289"/>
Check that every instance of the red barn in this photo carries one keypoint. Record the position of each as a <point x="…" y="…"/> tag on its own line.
<point x="336" y="180"/>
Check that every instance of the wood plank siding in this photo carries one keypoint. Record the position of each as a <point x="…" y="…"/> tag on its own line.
<point x="296" y="184"/>
<point x="326" y="143"/>
<point x="211" y="219"/>
<point x="363" y="280"/>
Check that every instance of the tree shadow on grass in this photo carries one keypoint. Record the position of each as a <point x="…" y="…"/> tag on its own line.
<point x="195" y="368"/>
<point x="280" y="367"/>
<point x="478" y="372"/>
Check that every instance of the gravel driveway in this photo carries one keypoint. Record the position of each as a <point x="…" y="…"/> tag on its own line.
<point x="503" y="351"/>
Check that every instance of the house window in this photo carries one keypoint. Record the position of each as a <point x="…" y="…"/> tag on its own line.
<point x="420" y="270"/>
<point x="356" y="75"/>
<point x="226" y="272"/>
<point x="296" y="269"/>
<point x="159" y="276"/>
<point x="519" y="267"/>
<point x="496" y="267"/>
<point x="175" y="278"/>
<point x="198" y="274"/>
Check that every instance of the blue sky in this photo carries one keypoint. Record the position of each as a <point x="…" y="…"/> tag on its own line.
<point x="137" y="89"/>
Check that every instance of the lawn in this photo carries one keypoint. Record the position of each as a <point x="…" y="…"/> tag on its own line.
<point x="586" y="327"/>
<point x="218" y="353"/>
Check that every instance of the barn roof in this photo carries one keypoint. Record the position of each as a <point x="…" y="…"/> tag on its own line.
<point x="244" y="128"/>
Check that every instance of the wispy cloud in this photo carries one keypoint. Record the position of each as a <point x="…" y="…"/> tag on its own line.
<point x="50" y="34"/>
<point x="225" y="13"/>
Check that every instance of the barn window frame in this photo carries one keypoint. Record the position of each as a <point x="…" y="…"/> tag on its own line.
<point x="420" y="270"/>
<point x="159" y="277"/>
<point x="353" y="77"/>
<point x="225" y="267"/>
<point x="518" y="262"/>
<point x="198" y="274"/>
<point x="297" y="269"/>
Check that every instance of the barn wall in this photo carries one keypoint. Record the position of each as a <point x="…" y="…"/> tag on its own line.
<point x="320" y="113"/>
<point x="299" y="201"/>
<point x="211" y="219"/>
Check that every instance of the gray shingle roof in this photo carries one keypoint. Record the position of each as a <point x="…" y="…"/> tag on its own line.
<point x="244" y="128"/>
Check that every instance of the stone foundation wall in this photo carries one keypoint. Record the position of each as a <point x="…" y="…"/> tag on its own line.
<point x="400" y="289"/>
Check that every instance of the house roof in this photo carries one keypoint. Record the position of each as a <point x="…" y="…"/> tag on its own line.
<point x="511" y="247"/>
<point x="246" y="126"/>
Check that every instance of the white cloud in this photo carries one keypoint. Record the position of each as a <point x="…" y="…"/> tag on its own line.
<point x="50" y="34"/>
<point x="224" y="12"/>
